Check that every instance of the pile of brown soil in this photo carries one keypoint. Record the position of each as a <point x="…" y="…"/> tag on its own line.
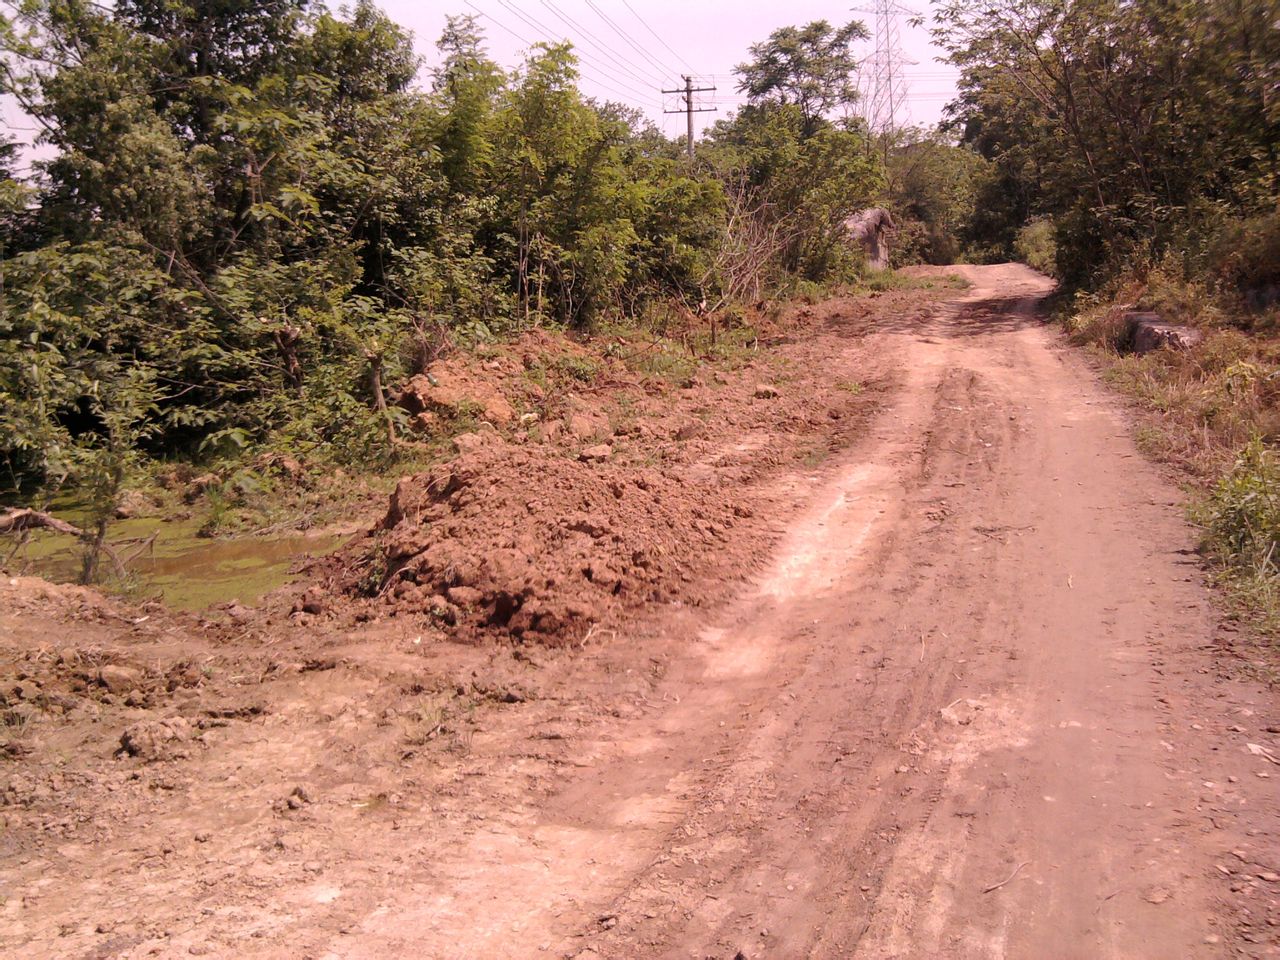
<point x="536" y="543"/>
<point x="608" y="488"/>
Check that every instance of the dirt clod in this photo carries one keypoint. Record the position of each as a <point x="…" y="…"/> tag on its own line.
<point x="119" y="679"/>
<point x="156" y="739"/>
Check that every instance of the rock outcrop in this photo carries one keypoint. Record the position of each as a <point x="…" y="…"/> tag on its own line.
<point x="1146" y="331"/>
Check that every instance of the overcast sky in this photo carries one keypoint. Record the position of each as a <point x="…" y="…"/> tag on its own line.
<point x="631" y="49"/>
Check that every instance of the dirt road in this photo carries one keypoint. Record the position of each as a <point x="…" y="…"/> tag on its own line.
<point x="964" y="714"/>
<point x="972" y="706"/>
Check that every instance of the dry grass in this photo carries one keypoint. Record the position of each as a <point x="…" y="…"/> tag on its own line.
<point x="1216" y="415"/>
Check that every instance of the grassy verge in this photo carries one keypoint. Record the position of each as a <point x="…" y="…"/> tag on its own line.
<point x="1216" y="415"/>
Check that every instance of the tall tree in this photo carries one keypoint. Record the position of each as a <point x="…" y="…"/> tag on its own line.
<point x="1123" y="120"/>
<point x="812" y="67"/>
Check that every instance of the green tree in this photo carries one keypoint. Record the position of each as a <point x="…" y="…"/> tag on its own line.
<point x="811" y="67"/>
<point x="1124" y="121"/>
<point x="932" y="187"/>
<point x="89" y="370"/>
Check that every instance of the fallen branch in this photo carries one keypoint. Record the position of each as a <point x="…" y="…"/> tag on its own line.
<point x="23" y="519"/>
<point x="16" y="521"/>
<point x="997" y="886"/>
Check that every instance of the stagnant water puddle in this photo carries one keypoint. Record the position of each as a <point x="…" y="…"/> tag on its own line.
<point x="185" y="571"/>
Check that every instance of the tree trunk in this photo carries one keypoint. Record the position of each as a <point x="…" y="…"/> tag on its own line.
<point x="379" y="398"/>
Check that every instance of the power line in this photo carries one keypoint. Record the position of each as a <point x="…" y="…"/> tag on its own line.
<point x="682" y="60"/>
<point x="608" y="50"/>
<point x="662" y="68"/>
<point x="619" y="76"/>
<point x="529" y="43"/>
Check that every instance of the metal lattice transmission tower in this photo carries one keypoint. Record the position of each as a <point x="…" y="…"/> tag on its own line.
<point x="882" y="81"/>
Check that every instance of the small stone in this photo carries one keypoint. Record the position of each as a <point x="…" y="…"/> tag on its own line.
<point x="204" y="836"/>
<point x="690" y="429"/>
<point x="297" y="797"/>
<point x="119" y="679"/>
<point x="598" y="453"/>
<point x="134" y="504"/>
<point x="1269" y="876"/>
<point x="155" y="739"/>
<point x="313" y="601"/>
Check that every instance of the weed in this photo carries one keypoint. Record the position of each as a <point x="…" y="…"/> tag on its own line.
<point x="581" y="368"/>
<point x="220" y="516"/>
<point x="1218" y="407"/>
<point x="816" y="457"/>
<point x="16" y="732"/>
<point x="437" y="717"/>
<point x="426" y="721"/>
<point x="375" y="575"/>
<point x="1241" y="516"/>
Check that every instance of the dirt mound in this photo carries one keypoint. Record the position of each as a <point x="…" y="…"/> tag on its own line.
<point x="564" y="541"/>
<point x="450" y="392"/>
<point x="632" y="474"/>
<point x="36" y="597"/>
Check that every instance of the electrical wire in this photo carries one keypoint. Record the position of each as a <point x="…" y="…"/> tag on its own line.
<point x="620" y="75"/>
<point x="626" y="4"/>
<point x="657" y="79"/>
<point x="662" y="68"/>
<point x="627" y="97"/>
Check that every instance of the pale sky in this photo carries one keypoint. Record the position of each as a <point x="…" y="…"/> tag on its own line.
<point x="631" y="49"/>
<point x="669" y="38"/>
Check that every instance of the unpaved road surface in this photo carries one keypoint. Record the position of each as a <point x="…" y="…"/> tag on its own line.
<point x="974" y="705"/>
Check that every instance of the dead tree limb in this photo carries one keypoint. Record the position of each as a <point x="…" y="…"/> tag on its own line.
<point x="24" y="519"/>
<point x="16" y="521"/>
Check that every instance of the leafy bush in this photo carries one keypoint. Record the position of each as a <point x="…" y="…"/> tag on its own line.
<point x="1036" y="246"/>
<point x="1245" y="254"/>
<point x="1242" y="515"/>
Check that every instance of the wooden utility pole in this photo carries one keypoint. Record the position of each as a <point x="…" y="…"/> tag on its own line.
<point x="687" y="92"/>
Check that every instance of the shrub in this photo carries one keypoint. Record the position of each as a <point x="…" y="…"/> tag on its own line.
<point x="1245" y="254"/>
<point x="1035" y="246"/>
<point x="1242" y="515"/>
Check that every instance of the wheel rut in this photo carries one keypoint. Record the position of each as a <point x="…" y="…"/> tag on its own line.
<point x="931" y="728"/>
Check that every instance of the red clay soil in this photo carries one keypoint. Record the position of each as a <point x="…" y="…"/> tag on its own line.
<point x="566" y="542"/>
<point x="622" y="493"/>
<point x="954" y="686"/>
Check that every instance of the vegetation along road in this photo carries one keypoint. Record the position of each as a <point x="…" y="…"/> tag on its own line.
<point x="444" y="516"/>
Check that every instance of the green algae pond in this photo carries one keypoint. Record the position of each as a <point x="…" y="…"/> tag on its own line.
<point x="186" y="571"/>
